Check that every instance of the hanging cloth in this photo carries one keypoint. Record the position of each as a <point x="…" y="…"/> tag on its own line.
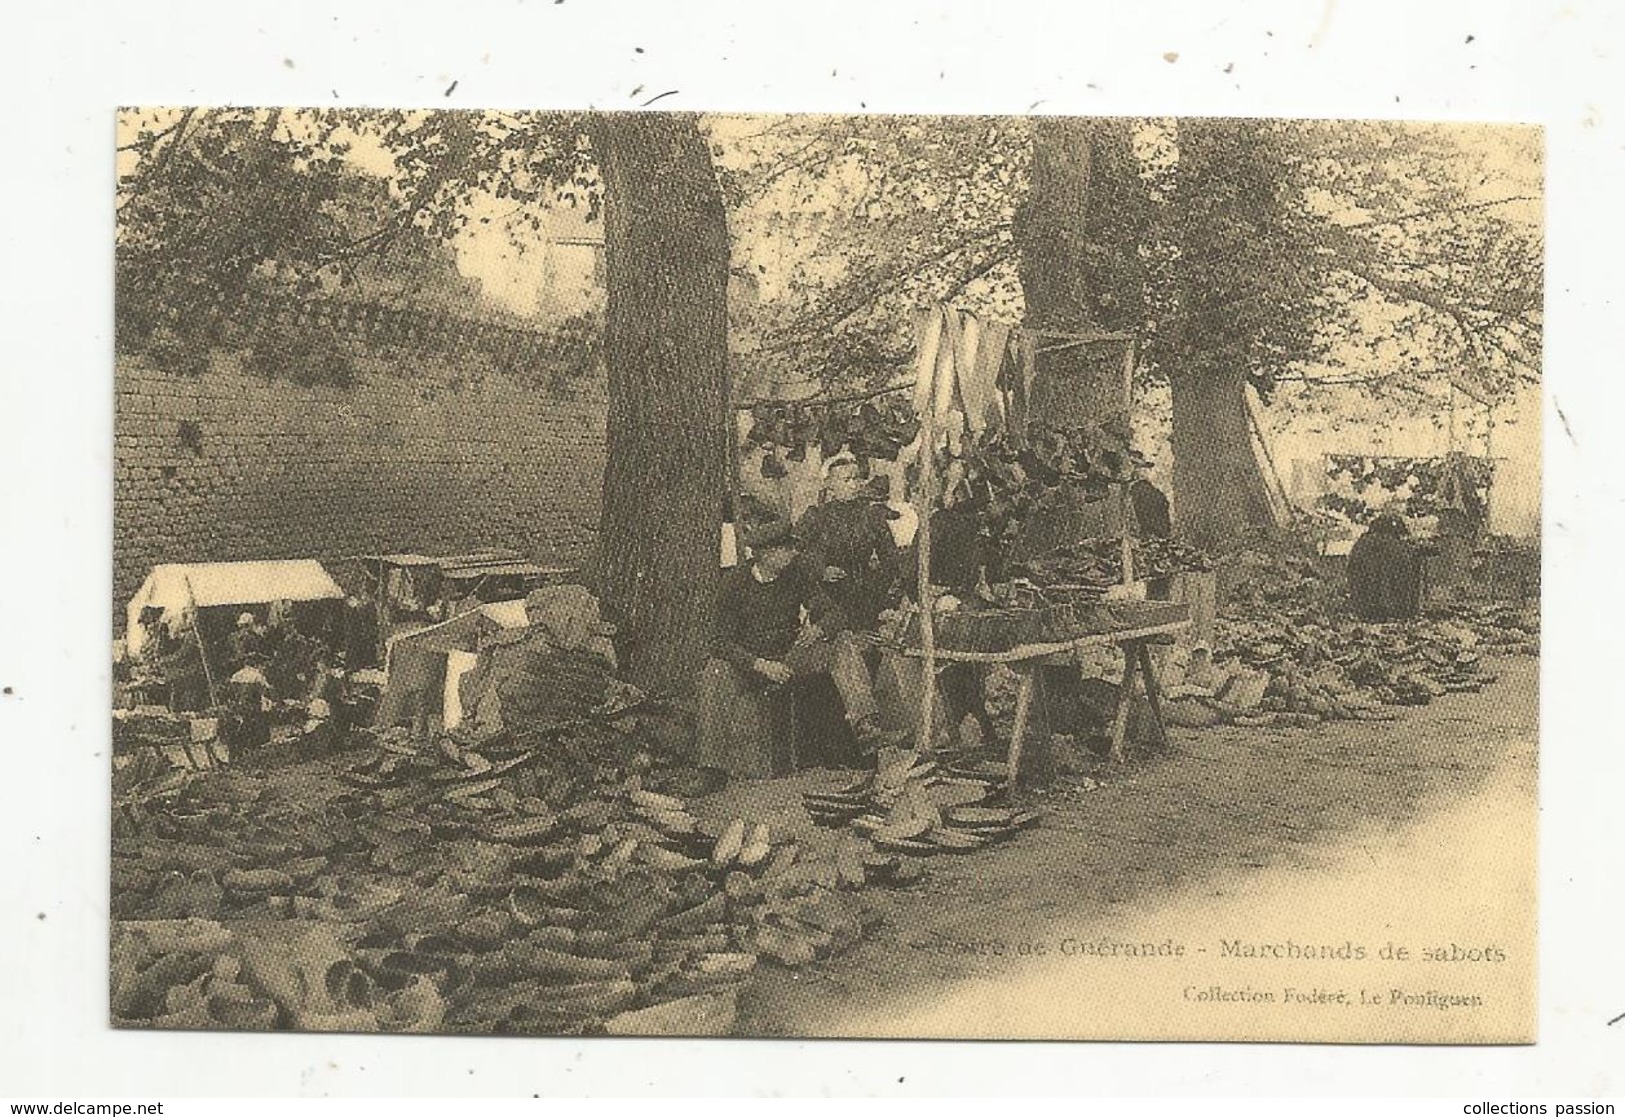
<point x="1018" y="377"/>
<point x="970" y="339"/>
<point x="945" y="381"/>
<point x="979" y="380"/>
<point x="926" y="350"/>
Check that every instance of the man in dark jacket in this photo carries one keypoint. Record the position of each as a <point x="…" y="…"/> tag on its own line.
<point x="846" y="546"/>
<point x="1385" y="572"/>
<point x="759" y="630"/>
<point x="1151" y="511"/>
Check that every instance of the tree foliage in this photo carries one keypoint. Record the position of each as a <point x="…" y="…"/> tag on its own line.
<point x="220" y="210"/>
<point x="844" y="224"/>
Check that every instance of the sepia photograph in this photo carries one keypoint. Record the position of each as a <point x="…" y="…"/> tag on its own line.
<point x="668" y="573"/>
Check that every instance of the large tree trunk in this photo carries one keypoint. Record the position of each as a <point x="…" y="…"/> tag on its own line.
<point x="1073" y="384"/>
<point x="666" y="347"/>
<point x="1219" y="490"/>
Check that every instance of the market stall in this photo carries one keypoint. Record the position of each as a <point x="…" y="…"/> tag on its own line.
<point x="958" y="357"/>
<point x="1133" y="627"/>
<point x="186" y="611"/>
<point x="1013" y="506"/>
<point x="413" y="591"/>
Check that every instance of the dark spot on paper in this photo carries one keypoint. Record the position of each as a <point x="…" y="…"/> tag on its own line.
<point x="1229" y="67"/>
<point x="40" y="917"/>
<point x="1564" y="419"/>
<point x="451" y="87"/>
<point x="638" y="50"/>
<point x="1470" y="38"/>
<point x="1170" y="56"/>
<point x="288" y="62"/>
<point x="7" y="691"/>
<point x="635" y="92"/>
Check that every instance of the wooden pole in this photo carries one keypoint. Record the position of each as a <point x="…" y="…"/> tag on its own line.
<point x="923" y="498"/>
<point x="202" y="652"/>
<point x="1255" y="423"/>
<point x="1124" y="506"/>
<point x="1124" y="510"/>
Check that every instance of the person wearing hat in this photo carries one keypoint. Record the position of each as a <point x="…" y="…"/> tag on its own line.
<point x="247" y="639"/>
<point x="247" y="723"/>
<point x="848" y="547"/>
<point x="759" y="629"/>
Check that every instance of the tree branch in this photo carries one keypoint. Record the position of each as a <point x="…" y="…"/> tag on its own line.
<point x="1421" y="213"/>
<point x="889" y="281"/>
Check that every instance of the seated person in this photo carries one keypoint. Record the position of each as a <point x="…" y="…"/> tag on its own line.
<point x="248" y="639"/>
<point x="247" y="723"/>
<point x="759" y="632"/>
<point x="180" y="662"/>
<point x="1385" y="572"/>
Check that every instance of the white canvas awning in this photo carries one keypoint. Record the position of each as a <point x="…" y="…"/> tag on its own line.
<point x="177" y="587"/>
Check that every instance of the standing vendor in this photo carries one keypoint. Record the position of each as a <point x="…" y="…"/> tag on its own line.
<point x="846" y="546"/>
<point x="247" y="639"/>
<point x="962" y="560"/>
<point x="1385" y="572"/>
<point x="961" y="553"/>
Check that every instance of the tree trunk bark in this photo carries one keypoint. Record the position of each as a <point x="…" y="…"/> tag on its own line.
<point x="666" y="347"/>
<point x="1076" y="384"/>
<point x="1219" y="489"/>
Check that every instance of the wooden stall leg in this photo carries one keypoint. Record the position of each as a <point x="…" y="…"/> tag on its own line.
<point x="1153" y="693"/>
<point x="1018" y="732"/>
<point x="1125" y="702"/>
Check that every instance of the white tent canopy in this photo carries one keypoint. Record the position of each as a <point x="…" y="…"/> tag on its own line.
<point x="177" y="587"/>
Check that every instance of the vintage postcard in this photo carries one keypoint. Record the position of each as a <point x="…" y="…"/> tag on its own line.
<point x="826" y="576"/>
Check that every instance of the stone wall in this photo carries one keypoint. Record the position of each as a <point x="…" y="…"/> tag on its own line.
<point x="430" y="454"/>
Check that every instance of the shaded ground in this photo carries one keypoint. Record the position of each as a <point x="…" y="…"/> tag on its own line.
<point x="1204" y="834"/>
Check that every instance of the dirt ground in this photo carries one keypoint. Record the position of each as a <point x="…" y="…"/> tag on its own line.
<point x="1195" y="836"/>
